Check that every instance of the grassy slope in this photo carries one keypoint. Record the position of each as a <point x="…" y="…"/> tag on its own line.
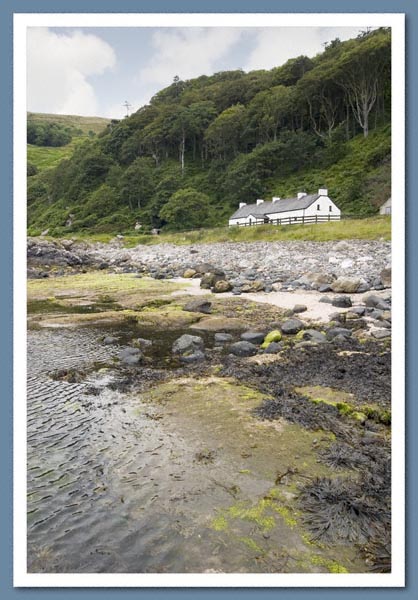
<point x="359" y="182"/>
<point x="370" y="228"/>
<point x="46" y="157"/>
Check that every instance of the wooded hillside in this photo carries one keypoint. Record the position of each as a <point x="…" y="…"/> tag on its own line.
<point x="204" y="145"/>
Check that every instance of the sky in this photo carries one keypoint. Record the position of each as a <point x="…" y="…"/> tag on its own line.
<point x="93" y="71"/>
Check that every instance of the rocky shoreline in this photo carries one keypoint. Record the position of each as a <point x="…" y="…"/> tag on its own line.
<point x="247" y="267"/>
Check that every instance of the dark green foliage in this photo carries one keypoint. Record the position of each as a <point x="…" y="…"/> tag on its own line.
<point x="187" y="208"/>
<point x="48" y="134"/>
<point x="231" y="137"/>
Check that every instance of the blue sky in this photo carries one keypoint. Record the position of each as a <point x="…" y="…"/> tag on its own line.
<point x="93" y="71"/>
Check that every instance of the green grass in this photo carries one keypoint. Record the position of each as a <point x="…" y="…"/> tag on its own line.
<point x="369" y="228"/>
<point x="47" y="157"/>
<point x="86" y="124"/>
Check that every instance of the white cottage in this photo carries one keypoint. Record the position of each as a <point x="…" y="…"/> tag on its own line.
<point x="304" y="208"/>
<point x="386" y="208"/>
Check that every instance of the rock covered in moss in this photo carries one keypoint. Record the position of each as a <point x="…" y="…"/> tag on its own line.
<point x="273" y="336"/>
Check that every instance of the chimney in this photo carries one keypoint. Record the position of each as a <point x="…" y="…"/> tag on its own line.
<point x="276" y="199"/>
<point x="241" y="204"/>
<point x="322" y="192"/>
<point x="259" y="201"/>
<point x="301" y="195"/>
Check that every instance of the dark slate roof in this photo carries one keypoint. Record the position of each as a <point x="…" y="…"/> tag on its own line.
<point x="267" y="208"/>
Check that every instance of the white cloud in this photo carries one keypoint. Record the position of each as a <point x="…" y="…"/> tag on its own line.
<point x="187" y="52"/>
<point x="58" y="68"/>
<point x="276" y="45"/>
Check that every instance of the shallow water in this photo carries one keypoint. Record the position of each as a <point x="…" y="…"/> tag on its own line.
<point x="119" y="484"/>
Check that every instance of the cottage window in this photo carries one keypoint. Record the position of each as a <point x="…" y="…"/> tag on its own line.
<point x="318" y="207"/>
<point x="330" y="208"/>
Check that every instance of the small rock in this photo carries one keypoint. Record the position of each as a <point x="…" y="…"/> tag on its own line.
<point x="243" y="349"/>
<point x="338" y="331"/>
<point x="187" y="344"/>
<point x="194" y="357"/>
<point x="380" y="334"/>
<point x="273" y="348"/>
<point x="342" y="246"/>
<point x="130" y="356"/>
<point x="326" y="299"/>
<point x="291" y="326"/>
<point x="313" y="335"/>
<point x="255" y="337"/>
<point x="223" y="338"/>
<point x="109" y="339"/>
<point x="201" y="306"/>
<point x="299" y="308"/>
<point x="143" y="342"/>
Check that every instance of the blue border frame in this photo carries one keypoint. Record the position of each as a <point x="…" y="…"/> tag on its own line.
<point x="7" y="8"/>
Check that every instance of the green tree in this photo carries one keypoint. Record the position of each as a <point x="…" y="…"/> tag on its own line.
<point x="137" y="183"/>
<point x="186" y="209"/>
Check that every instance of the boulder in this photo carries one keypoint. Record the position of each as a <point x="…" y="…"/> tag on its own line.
<point x="338" y="331"/>
<point x="194" y="357"/>
<point x="346" y="285"/>
<point x="312" y="335"/>
<point x="188" y="273"/>
<point x="221" y="286"/>
<point x="200" y="306"/>
<point x="374" y="301"/>
<point x="243" y="349"/>
<point x="316" y="279"/>
<point x="342" y="302"/>
<point x="299" y="308"/>
<point x="291" y="326"/>
<point x="187" y="344"/>
<point x="109" y="339"/>
<point x="380" y="334"/>
<point x="273" y="336"/>
<point x="386" y="277"/>
<point x="273" y="348"/>
<point x="130" y="356"/>
<point x="255" y="337"/>
<point x="208" y="280"/>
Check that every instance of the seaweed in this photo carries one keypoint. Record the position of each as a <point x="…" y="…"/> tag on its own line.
<point x="344" y="510"/>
